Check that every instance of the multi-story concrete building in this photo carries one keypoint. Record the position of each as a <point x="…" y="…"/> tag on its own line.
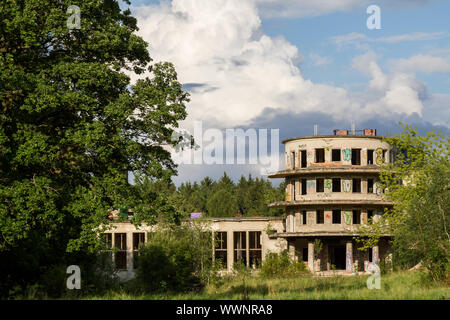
<point x="331" y="189"/>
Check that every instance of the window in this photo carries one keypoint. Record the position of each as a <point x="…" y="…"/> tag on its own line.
<point x="369" y="185"/>
<point x="356" y="216"/>
<point x="369" y="216"/>
<point x="356" y="157"/>
<point x="120" y="242"/>
<point x="319" y="217"/>
<point x="292" y="160"/>
<point x="138" y="240"/>
<point x="320" y="155"/>
<point x="255" y="248"/>
<point x="303" y="152"/>
<point x="303" y="186"/>
<point x="336" y="155"/>
<point x="240" y="246"/>
<point x="305" y="254"/>
<point x="336" y="185"/>
<point x="107" y="240"/>
<point x="336" y="216"/>
<point x="370" y="156"/>
<point x="319" y="184"/>
<point x="356" y="185"/>
<point x="220" y="250"/>
<point x="303" y="217"/>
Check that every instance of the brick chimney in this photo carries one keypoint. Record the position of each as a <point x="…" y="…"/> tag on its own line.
<point x="370" y="132"/>
<point x="338" y="132"/>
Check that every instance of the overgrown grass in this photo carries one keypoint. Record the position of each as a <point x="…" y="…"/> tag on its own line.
<point x="398" y="285"/>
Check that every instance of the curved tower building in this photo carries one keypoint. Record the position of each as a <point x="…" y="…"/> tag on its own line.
<point x="331" y="189"/>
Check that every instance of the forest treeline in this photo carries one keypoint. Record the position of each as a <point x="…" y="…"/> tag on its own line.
<point x="222" y="198"/>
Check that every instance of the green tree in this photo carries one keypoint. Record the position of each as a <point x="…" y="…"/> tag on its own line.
<point x="222" y="204"/>
<point x="72" y="125"/>
<point x="418" y="183"/>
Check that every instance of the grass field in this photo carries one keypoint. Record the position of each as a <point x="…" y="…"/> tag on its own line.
<point x="399" y="285"/>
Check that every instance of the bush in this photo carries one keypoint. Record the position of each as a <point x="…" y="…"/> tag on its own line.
<point x="280" y="265"/>
<point x="174" y="258"/>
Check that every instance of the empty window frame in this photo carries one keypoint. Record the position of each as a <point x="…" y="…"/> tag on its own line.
<point x="356" y="185"/>
<point x="356" y="216"/>
<point x="303" y="158"/>
<point x="138" y="240"/>
<point x="107" y="240"/>
<point x="336" y="217"/>
<point x="336" y="185"/>
<point x="336" y="155"/>
<point x="120" y="243"/>
<point x="255" y="249"/>
<point x="356" y="157"/>
<point x="320" y="155"/>
<point x="320" y="217"/>
<point x="240" y="247"/>
<point x="303" y="186"/>
<point x="303" y="217"/>
<point x="369" y="216"/>
<point x="220" y="250"/>
<point x="319" y="185"/>
<point x="370" y="156"/>
<point x="369" y="185"/>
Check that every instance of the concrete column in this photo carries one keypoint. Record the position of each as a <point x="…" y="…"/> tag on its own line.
<point x="291" y="249"/>
<point x="130" y="252"/>
<point x="349" y="256"/>
<point x="376" y="254"/>
<point x="311" y="256"/>
<point x="247" y="249"/>
<point x="230" y="257"/>
<point x="326" y="255"/>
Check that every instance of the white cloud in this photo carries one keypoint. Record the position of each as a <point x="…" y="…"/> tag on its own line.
<point x="318" y="60"/>
<point x="355" y="38"/>
<point x="238" y="70"/>
<point x="306" y="8"/>
<point x="422" y="63"/>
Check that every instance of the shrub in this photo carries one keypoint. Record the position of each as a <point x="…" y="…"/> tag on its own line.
<point x="174" y="258"/>
<point x="280" y="265"/>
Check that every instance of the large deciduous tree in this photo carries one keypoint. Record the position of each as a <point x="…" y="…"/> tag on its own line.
<point x="72" y="125"/>
<point x="418" y="183"/>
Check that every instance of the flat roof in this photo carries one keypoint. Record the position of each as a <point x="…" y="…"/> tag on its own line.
<point x="333" y="136"/>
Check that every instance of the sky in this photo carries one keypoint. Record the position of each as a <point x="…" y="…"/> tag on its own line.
<point x="291" y="64"/>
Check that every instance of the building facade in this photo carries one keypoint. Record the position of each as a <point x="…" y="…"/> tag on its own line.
<point x="332" y="187"/>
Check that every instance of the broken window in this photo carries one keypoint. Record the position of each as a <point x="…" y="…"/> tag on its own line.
<point x="336" y="155"/>
<point x="320" y="155"/>
<point x="369" y="185"/>
<point x="303" y="186"/>
<point x="356" y="157"/>
<point x="370" y="156"/>
<point x="303" y="217"/>
<point x="336" y="216"/>
<point x="240" y="247"/>
<point x="356" y="185"/>
<point x="336" y="185"/>
<point x="319" y="217"/>
<point x="303" y="156"/>
<point x="319" y="184"/>
<point x="138" y="241"/>
<point x="356" y="216"/>
<point x="255" y="252"/>
<point x="220" y="251"/>
<point x="120" y="243"/>
<point x="369" y="216"/>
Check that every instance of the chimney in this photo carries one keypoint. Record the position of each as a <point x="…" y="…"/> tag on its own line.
<point x="370" y="132"/>
<point x="315" y="129"/>
<point x="338" y="132"/>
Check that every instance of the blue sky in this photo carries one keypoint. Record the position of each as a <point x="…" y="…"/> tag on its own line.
<point x="295" y="63"/>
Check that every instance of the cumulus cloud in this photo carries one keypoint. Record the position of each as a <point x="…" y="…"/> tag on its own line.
<point x="318" y="60"/>
<point x="358" y="39"/>
<point x="234" y="71"/>
<point x="422" y="63"/>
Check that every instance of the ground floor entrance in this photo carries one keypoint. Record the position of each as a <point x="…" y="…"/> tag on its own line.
<point x="337" y="257"/>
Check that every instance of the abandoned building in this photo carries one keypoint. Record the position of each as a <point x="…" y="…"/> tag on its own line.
<point x="331" y="189"/>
